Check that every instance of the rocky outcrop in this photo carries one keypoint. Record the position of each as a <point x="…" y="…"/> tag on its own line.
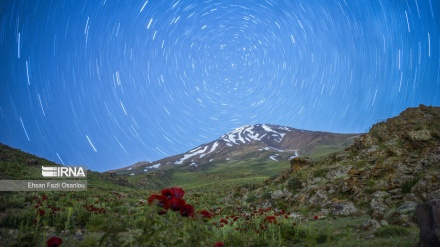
<point x="298" y="163"/>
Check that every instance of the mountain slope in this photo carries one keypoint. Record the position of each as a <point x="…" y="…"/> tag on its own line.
<point x="271" y="142"/>
<point x="383" y="175"/>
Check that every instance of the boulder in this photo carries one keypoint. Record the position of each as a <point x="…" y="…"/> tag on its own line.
<point x="338" y="172"/>
<point x="428" y="219"/>
<point x="407" y="207"/>
<point x="298" y="163"/>
<point x="378" y="204"/>
<point x="278" y="194"/>
<point x="343" y="208"/>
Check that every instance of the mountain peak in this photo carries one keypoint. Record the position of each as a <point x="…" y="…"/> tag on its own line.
<point x="273" y="143"/>
<point x="257" y="132"/>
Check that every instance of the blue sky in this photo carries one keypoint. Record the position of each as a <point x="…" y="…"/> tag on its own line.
<point x="109" y="83"/>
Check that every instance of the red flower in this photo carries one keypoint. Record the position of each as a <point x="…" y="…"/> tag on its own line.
<point x="315" y="217"/>
<point x="271" y="219"/>
<point x="167" y="193"/>
<point x="223" y="221"/>
<point x="218" y="244"/>
<point x="187" y="210"/>
<point x="177" y="192"/>
<point x="54" y="242"/>
<point x="159" y="200"/>
<point x="205" y="215"/>
<point x="176" y="204"/>
<point x="41" y="212"/>
<point x="43" y="197"/>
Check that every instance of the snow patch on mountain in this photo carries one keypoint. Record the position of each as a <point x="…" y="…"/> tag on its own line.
<point x="151" y="167"/>
<point x="274" y="157"/>
<point x="294" y="155"/>
<point x="249" y="133"/>
<point x="189" y="155"/>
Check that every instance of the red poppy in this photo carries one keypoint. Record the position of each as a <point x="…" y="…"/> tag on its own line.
<point x="187" y="210"/>
<point x="41" y="212"/>
<point x="176" y="204"/>
<point x="159" y="200"/>
<point x="205" y="215"/>
<point x="315" y="217"/>
<point x="167" y="193"/>
<point x="177" y="192"/>
<point x="223" y="221"/>
<point x="54" y="242"/>
<point x="218" y="244"/>
<point x="270" y="219"/>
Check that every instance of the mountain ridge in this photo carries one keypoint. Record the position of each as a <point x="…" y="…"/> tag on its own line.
<point x="274" y="141"/>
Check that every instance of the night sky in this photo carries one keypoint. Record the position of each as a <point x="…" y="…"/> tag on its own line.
<point x="108" y="83"/>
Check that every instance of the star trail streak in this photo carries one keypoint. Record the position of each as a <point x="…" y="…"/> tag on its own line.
<point x="149" y="79"/>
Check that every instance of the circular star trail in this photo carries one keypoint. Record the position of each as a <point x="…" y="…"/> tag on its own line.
<point x="109" y="83"/>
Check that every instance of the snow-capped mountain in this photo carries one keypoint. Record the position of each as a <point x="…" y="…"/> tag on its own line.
<point x="272" y="142"/>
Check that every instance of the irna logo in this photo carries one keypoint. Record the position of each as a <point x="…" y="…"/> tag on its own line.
<point x="63" y="171"/>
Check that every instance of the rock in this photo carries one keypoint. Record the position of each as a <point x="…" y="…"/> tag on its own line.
<point x="377" y="215"/>
<point x="278" y="194"/>
<point x="370" y="236"/>
<point x="298" y="163"/>
<point x="343" y="208"/>
<point x="384" y="223"/>
<point x="287" y="194"/>
<point x="338" y="172"/>
<point x="407" y="207"/>
<point x="79" y="235"/>
<point x="433" y="195"/>
<point x="378" y="204"/>
<point x="419" y="135"/>
<point x="318" y="198"/>
<point x="294" y="215"/>
<point x="380" y="194"/>
<point x="370" y="225"/>
<point x="428" y="219"/>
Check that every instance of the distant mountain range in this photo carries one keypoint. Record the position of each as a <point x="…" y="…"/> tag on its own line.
<point x="272" y="142"/>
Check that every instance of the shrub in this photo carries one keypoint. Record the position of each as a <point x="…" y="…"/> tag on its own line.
<point x="407" y="186"/>
<point x="251" y="198"/>
<point x="266" y="195"/>
<point x="294" y="183"/>
<point x="321" y="172"/>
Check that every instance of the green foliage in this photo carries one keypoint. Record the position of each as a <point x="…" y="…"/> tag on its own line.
<point x="321" y="172"/>
<point x="251" y="198"/>
<point x="294" y="183"/>
<point x="407" y="186"/>
<point x="391" y="231"/>
<point x="293" y="235"/>
<point x="266" y="195"/>
<point x="321" y="238"/>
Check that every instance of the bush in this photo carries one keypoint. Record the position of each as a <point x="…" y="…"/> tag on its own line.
<point x="266" y="195"/>
<point x="251" y="198"/>
<point x="407" y="186"/>
<point x="294" y="183"/>
<point x="321" y="172"/>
